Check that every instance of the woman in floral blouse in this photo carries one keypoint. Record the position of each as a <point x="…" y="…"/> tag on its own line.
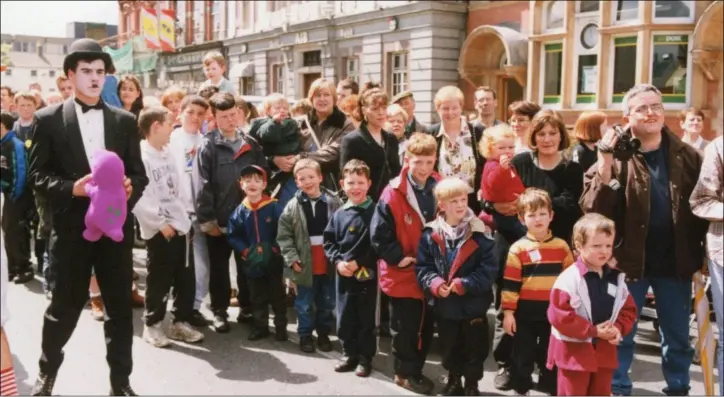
<point x="457" y="142"/>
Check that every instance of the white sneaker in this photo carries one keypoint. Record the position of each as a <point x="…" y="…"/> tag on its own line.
<point x="154" y="336"/>
<point x="183" y="332"/>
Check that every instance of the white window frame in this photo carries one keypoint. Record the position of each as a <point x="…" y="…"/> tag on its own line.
<point x="246" y="85"/>
<point x="351" y="73"/>
<point x="580" y="22"/>
<point x="612" y="65"/>
<point x="278" y="70"/>
<point x="404" y="73"/>
<point x="664" y="20"/>
<point x="217" y="23"/>
<point x="689" y="67"/>
<point x="636" y="21"/>
<point x="542" y="80"/>
<point x="544" y="23"/>
<point x="180" y="25"/>
<point x="199" y="23"/>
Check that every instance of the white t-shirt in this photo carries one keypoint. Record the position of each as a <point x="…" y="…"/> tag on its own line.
<point x="185" y="147"/>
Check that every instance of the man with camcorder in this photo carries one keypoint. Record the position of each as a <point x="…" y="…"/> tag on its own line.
<point x="642" y="180"/>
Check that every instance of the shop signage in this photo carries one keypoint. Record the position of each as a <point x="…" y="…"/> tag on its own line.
<point x="187" y="59"/>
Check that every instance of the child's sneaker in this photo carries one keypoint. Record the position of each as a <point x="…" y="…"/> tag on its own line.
<point x="183" y="332"/>
<point x="364" y="369"/>
<point x="154" y="335"/>
<point x="324" y="343"/>
<point x="306" y="344"/>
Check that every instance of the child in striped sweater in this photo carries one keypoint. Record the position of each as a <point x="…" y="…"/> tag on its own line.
<point x="534" y="262"/>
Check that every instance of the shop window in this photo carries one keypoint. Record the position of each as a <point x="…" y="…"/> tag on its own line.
<point x="667" y="10"/>
<point x="553" y="63"/>
<point x="398" y="72"/>
<point x="626" y="10"/>
<point x="669" y="66"/>
<point x="555" y="11"/>
<point x="624" y="69"/>
<point x="585" y="6"/>
<point x="351" y="68"/>
<point x="587" y="78"/>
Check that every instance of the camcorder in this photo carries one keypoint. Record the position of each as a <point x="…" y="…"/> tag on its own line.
<point x="626" y="145"/>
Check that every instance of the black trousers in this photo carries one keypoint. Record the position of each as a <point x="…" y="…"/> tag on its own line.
<point x="502" y="342"/>
<point x="265" y="291"/>
<point x="74" y="257"/>
<point x="356" y="324"/>
<point x="530" y="348"/>
<point x="170" y="264"/>
<point x="16" y="234"/>
<point x="412" y="330"/>
<point x="464" y="346"/>
<point x="220" y="278"/>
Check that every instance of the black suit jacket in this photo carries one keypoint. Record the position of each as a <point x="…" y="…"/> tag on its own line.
<point x="58" y="159"/>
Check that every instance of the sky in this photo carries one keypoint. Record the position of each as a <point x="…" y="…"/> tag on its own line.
<point x="49" y="18"/>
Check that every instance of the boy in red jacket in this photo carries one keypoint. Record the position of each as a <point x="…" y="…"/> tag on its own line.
<point x="588" y="323"/>
<point x="405" y="205"/>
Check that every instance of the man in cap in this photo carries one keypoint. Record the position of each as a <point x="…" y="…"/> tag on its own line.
<point x="66" y="137"/>
<point x="407" y="102"/>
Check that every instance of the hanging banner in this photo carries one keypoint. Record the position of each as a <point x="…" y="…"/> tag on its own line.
<point x="149" y="22"/>
<point x="167" y="30"/>
<point x="122" y="57"/>
<point x="145" y="62"/>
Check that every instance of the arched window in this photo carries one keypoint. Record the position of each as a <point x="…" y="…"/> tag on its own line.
<point x="555" y="12"/>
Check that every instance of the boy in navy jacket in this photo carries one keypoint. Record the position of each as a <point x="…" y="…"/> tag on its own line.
<point x="347" y="245"/>
<point x="252" y="233"/>
<point x="456" y="267"/>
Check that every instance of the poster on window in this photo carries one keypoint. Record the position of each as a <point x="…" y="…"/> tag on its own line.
<point x="589" y="75"/>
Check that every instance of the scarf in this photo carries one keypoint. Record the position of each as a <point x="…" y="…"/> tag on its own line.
<point x="456" y="232"/>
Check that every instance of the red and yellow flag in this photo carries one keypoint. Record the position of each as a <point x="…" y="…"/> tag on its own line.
<point x="149" y="23"/>
<point x="167" y="30"/>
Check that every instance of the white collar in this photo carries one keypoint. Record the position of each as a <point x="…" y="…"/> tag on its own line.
<point x="464" y="129"/>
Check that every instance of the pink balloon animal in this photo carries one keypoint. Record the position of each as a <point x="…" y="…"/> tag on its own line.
<point x="108" y="209"/>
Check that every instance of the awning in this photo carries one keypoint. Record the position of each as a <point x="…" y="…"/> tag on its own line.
<point x="488" y="45"/>
<point x="244" y="69"/>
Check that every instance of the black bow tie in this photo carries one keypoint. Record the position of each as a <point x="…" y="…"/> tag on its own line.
<point x="85" y="107"/>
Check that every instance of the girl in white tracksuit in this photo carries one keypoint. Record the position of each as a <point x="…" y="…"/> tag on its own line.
<point x="165" y="225"/>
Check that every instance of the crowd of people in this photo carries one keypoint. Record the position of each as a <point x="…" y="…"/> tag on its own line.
<point x="345" y="201"/>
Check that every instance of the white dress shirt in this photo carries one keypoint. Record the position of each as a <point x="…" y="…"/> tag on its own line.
<point x="91" y="129"/>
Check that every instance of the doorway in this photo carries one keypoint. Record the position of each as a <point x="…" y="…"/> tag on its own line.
<point x="511" y="92"/>
<point x="308" y="80"/>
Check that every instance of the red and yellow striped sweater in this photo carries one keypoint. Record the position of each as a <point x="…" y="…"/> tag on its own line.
<point x="531" y="270"/>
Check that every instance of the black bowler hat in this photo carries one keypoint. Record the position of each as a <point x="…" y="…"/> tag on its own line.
<point x="86" y="50"/>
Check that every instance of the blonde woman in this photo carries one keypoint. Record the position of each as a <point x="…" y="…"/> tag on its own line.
<point x="396" y="122"/>
<point x="457" y="142"/>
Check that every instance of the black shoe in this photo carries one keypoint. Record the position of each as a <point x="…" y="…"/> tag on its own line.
<point x="24" y="277"/>
<point x="281" y="335"/>
<point x="324" y="344"/>
<point x="306" y="344"/>
<point x="364" y="369"/>
<point x="502" y="379"/>
<point x="347" y="364"/>
<point x="122" y="391"/>
<point x="43" y="385"/>
<point x="197" y="319"/>
<point x="258" y="334"/>
<point x="244" y="317"/>
<point x="453" y="386"/>
<point x="419" y="384"/>
<point x="220" y="324"/>
<point x="471" y="389"/>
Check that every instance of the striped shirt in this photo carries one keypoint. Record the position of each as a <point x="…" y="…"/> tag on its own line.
<point x="531" y="270"/>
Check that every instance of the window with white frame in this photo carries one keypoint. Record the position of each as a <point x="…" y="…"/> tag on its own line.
<point x="586" y="59"/>
<point x="624" y="69"/>
<point x="247" y="86"/>
<point x="216" y="19"/>
<point x="673" y="11"/>
<point x="552" y="69"/>
<point x="555" y="12"/>
<point x="180" y="32"/>
<point x="278" y="78"/>
<point x="670" y="65"/>
<point x="351" y="68"/>
<point x="199" y="22"/>
<point x="625" y="10"/>
<point x="398" y="72"/>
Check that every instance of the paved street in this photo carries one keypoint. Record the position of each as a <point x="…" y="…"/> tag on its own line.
<point x="229" y="364"/>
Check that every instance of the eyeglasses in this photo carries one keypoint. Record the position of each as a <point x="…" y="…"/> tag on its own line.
<point x="519" y="120"/>
<point x="656" y="108"/>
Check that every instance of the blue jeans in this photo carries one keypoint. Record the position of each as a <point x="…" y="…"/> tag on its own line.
<point x="673" y="310"/>
<point x="716" y="273"/>
<point x="320" y="296"/>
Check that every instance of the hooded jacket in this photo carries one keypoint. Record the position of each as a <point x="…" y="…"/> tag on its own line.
<point x="14" y="165"/>
<point x="162" y="202"/>
<point x="252" y="231"/>
<point x="473" y="270"/>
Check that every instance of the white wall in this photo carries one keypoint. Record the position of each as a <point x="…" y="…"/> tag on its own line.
<point x="20" y="79"/>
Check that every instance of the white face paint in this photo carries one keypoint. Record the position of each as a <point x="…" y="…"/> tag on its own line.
<point x="88" y="78"/>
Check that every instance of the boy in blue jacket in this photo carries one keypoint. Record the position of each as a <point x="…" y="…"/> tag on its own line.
<point x="252" y="231"/>
<point x="456" y="267"/>
<point x="18" y="203"/>
<point x="347" y="245"/>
